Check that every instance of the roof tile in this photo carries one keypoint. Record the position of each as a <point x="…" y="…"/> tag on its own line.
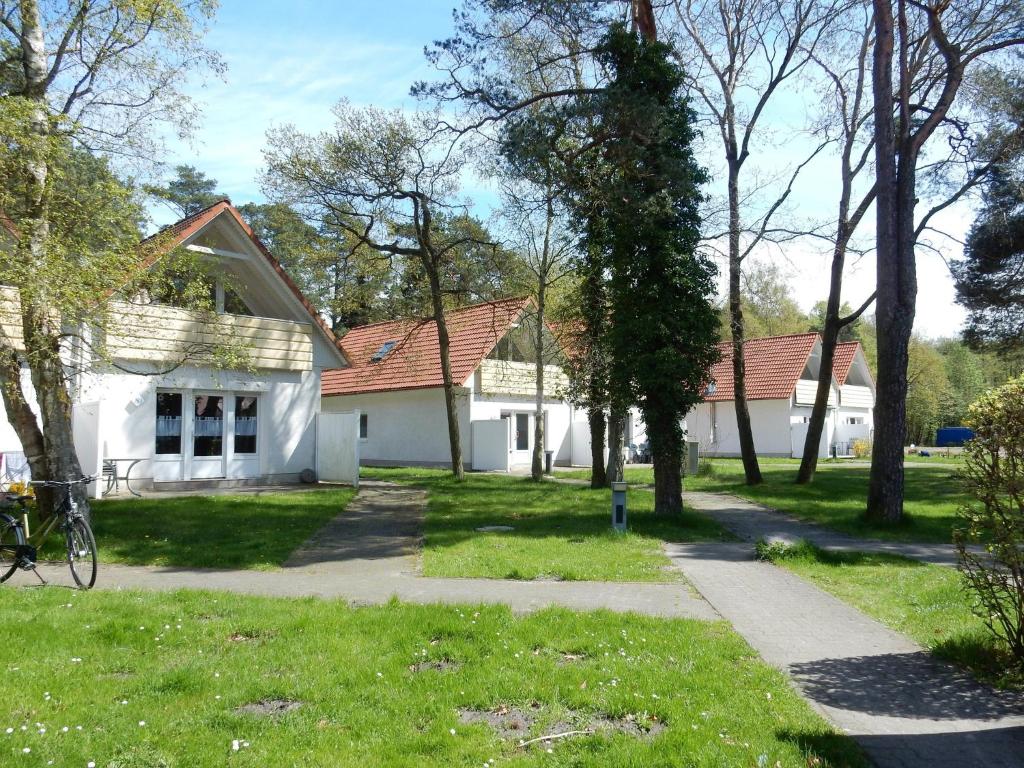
<point x="415" y="360"/>
<point x="773" y="366"/>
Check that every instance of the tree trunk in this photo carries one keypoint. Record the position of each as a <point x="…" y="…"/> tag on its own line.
<point x="751" y="470"/>
<point x="25" y="426"/>
<point x="616" y="435"/>
<point x="829" y="339"/>
<point x="537" y="465"/>
<point x="885" y="494"/>
<point x="666" y="449"/>
<point x="598" y="475"/>
<point x="444" y="344"/>
<point x="41" y="327"/>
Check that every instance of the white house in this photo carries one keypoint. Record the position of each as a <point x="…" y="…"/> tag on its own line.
<point x="195" y="423"/>
<point x="394" y="382"/>
<point x="781" y="382"/>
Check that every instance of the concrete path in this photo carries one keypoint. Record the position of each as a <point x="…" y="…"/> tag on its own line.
<point x="750" y="522"/>
<point x="904" y="707"/>
<point x="368" y="555"/>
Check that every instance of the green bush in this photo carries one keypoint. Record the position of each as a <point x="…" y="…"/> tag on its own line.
<point x="990" y="532"/>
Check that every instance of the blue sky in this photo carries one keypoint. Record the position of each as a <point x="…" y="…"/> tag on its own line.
<point x="291" y="62"/>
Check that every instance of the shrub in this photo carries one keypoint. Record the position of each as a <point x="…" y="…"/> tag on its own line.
<point x="861" y="448"/>
<point x="989" y="535"/>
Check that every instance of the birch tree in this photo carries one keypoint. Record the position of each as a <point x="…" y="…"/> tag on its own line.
<point x="533" y="214"/>
<point x="98" y="76"/>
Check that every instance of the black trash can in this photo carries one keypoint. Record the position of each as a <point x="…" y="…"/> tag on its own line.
<point x="548" y="457"/>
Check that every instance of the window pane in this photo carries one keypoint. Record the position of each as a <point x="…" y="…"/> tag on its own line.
<point x="245" y="424"/>
<point x="168" y="422"/>
<point x="364" y="423"/>
<point x="233" y="303"/>
<point x="522" y="431"/>
<point x="209" y="426"/>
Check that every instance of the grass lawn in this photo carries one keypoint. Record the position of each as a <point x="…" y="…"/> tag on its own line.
<point x="926" y="602"/>
<point x="142" y="680"/>
<point x="246" y="530"/>
<point x="560" y="531"/>
<point x="837" y="496"/>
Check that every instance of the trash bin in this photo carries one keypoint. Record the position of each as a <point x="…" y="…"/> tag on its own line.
<point x="548" y="458"/>
<point x="619" y="506"/>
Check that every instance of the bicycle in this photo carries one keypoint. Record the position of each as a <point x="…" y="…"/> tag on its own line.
<point x="19" y="547"/>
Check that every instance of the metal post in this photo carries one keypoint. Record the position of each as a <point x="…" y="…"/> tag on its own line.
<point x="619" y="506"/>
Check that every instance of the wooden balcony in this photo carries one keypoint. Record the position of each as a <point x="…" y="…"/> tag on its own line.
<point x="501" y="377"/>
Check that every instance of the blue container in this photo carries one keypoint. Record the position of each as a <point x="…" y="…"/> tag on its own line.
<point x="953" y="436"/>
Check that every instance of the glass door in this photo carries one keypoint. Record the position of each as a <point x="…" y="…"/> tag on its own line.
<point x="208" y="437"/>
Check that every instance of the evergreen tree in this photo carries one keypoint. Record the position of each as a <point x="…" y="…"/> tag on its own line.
<point x="663" y="330"/>
<point x="189" y="192"/>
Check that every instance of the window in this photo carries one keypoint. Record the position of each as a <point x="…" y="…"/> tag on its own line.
<point x="245" y="424"/>
<point x="855" y="420"/>
<point x="168" y="422"/>
<point x="381" y="353"/>
<point x="522" y="431"/>
<point x="364" y="423"/>
<point x="233" y="303"/>
<point x="208" y="439"/>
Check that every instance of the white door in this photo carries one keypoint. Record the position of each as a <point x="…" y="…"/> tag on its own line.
<point x="208" y="418"/>
<point x="521" y="438"/>
<point x="243" y="439"/>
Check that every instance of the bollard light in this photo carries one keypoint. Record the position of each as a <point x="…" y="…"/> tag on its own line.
<point x="619" y="506"/>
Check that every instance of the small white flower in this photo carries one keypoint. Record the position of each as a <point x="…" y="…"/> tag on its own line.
<point x="235" y="745"/>
<point x="380" y="674"/>
<point x="451" y="731"/>
<point x="26" y="750"/>
<point x="10" y="730"/>
<point x="124" y="701"/>
<point x="78" y="727"/>
<point x="90" y="764"/>
<point x="42" y="730"/>
<point x="65" y="729"/>
<point x="142" y="723"/>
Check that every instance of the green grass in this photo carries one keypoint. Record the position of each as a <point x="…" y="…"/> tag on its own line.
<point x="837" y="496"/>
<point x="233" y="531"/>
<point x="103" y="663"/>
<point x="926" y="602"/>
<point x="560" y="531"/>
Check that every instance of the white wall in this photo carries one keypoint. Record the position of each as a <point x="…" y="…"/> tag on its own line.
<point x="769" y="421"/>
<point x="490" y="441"/>
<point x="559" y="414"/>
<point x="405" y="427"/>
<point x="579" y="438"/>
<point x="337" y="441"/>
<point x="9" y="441"/>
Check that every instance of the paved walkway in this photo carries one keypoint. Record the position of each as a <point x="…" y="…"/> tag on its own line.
<point x="368" y="555"/>
<point x="750" y="522"/>
<point x="903" y="706"/>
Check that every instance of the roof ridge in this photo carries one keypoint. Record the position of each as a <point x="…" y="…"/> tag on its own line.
<point x="430" y="319"/>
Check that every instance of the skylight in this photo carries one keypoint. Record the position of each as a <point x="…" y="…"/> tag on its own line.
<point x="381" y="353"/>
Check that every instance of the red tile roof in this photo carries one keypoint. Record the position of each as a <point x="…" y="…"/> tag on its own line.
<point x="415" y="360"/>
<point x="846" y="351"/>
<point x="177" y="233"/>
<point x="773" y="365"/>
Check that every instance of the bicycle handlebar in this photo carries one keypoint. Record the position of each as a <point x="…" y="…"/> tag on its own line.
<point x="84" y="480"/>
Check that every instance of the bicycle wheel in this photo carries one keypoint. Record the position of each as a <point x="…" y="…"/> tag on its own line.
<point x="82" y="553"/>
<point x="11" y="536"/>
